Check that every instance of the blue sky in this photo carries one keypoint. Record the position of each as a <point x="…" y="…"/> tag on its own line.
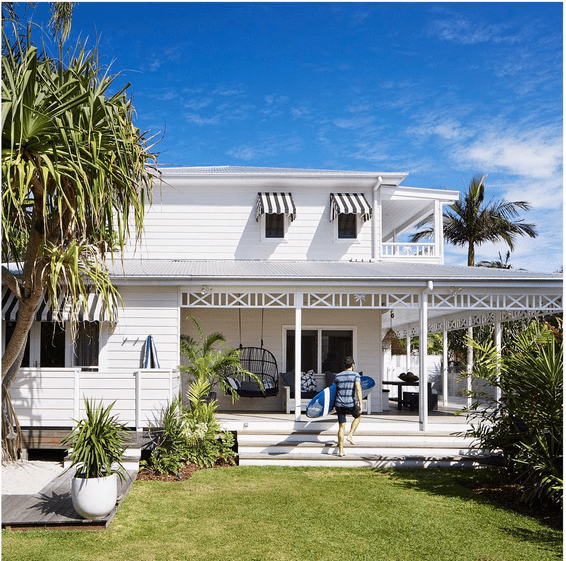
<point x="440" y="90"/>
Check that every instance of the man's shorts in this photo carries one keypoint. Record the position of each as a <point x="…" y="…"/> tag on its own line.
<point x="343" y="411"/>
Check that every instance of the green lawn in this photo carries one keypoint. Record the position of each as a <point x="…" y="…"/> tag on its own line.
<point x="293" y="514"/>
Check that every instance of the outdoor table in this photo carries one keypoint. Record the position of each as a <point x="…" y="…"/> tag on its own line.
<point x="400" y="386"/>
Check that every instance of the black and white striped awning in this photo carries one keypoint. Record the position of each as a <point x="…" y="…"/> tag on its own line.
<point x="53" y="310"/>
<point x="275" y="203"/>
<point x="349" y="203"/>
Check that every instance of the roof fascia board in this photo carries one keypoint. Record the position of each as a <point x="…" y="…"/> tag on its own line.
<point x="403" y="192"/>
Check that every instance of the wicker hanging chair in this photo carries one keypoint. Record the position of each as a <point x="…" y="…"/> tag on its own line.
<point x="262" y="363"/>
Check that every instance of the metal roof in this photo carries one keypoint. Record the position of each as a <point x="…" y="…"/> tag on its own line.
<point x="271" y="171"/>
<point x="349" y="272"/>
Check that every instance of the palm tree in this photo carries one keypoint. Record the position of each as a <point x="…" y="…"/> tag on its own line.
<point x="209" y="366"/>
<point x="499" y="263"/>
<point x="469" y="222"/>
<point x="76" y="175"/>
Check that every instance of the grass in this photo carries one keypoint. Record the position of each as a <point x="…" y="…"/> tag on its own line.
<point x="274" y="513"/>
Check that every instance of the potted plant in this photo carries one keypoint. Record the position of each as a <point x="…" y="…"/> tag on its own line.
<point x="96" y="447"/>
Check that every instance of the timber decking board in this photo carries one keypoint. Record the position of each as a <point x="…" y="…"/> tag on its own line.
<point x="53" y="506"/>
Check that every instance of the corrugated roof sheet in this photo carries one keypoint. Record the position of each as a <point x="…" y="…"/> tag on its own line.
<point x="312" y="270"/>
<point x="250" y="170"/>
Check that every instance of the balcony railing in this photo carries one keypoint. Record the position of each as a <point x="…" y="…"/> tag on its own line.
<point x="399" y="250"/>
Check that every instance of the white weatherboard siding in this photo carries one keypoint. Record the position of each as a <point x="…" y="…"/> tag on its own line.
<point x="147" y="311"/>
<point x="366" y="326"/>
<point x="210" y="220"/>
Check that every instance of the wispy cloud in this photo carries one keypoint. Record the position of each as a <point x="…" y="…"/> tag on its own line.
<point x="354" y="123"/>
<point x="266" y="147"/>
<point x="464" y="31"/>
<point x="533" y="154"/>
<point x="199" y="120"/>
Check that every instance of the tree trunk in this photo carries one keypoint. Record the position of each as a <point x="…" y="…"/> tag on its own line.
<point x="12" y="440"/>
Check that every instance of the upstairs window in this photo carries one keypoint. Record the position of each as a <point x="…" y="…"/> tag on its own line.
<point x="274" y="225"/>
<point x="345" y="209"/>
<point x="347" y="226"/>
<point x="277" y="210"/>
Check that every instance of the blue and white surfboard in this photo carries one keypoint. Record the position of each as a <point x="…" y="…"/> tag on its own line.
<point x="323" y="402"/>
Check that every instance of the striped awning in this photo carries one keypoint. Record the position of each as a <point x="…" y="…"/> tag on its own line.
<point x="275" y="203"/>
<point x="54" y="310"/>
<point x="349" y="203"/>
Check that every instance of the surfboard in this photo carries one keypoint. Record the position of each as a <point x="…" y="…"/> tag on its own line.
<point x="323" y="402"/>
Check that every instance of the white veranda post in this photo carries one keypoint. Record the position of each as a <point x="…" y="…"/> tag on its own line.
<point x="423" y="358"/>
<point x="298" y="344"/>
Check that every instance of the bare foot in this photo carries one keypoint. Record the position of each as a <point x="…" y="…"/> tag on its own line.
<point x="350" y="440"/>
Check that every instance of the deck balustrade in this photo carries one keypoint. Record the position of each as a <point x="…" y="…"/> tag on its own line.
<point x="54" y="397"/>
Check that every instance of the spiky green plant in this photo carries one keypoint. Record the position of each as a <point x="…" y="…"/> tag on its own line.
<point x="96" y="444"/>
<point x="526" y="425"/>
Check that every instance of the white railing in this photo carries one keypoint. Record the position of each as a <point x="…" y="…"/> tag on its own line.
<point x="54" y="397"/>
<point x="408" y="250"/>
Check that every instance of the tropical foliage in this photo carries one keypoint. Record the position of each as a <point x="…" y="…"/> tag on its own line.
<point x="96" y="444"/>
<point x="76" y="176"/>
<point x="526" y="425"/>
<point x="209" y="367"/>
<point x="471" y="221"/>
<point x="191" y="435"/>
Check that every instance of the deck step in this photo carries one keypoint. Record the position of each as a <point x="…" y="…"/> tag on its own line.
<point x="316" y="444"/>
<point x="373" y="461"/>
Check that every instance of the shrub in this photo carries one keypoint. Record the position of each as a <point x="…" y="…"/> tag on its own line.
<point x="191" y="436"/>
<point x="526" y="425"/>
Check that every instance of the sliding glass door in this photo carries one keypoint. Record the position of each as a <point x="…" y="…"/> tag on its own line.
<point x="323" y="349"/>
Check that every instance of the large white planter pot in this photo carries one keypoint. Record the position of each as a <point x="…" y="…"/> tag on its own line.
<point x="94" y="497"/>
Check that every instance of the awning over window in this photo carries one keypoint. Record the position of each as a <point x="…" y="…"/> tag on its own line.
<point x="349" y="203"/>
<point x="275" y="203"/>
<point x="48" y="310"/>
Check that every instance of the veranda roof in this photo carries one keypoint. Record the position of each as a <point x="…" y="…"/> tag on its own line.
<point x="350" y="272"/>
<point x="459" y="296"/>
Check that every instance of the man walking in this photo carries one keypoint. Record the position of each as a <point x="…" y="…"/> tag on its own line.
<point x="348" y="401"/>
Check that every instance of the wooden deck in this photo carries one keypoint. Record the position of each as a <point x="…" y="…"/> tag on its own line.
<point x="52" y="507"/>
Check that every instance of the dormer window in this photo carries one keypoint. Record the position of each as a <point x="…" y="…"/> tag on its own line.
<point x="344" y="210"/>
<point x="276" y="211"/>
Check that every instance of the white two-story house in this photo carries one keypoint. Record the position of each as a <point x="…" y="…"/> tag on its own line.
<point x="264" y="254"/>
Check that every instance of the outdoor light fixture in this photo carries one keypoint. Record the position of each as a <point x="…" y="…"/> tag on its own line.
<point x="391" y="339"/>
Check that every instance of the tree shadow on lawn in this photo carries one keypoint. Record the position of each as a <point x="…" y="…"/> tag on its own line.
<point x="464" y="484"/>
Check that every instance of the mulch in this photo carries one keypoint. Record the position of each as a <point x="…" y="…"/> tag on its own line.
<point x="184" y="473"/>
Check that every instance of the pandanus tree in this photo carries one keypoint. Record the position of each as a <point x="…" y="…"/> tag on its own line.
<point x="471" y="221"/>
<point x="76" y="176"/>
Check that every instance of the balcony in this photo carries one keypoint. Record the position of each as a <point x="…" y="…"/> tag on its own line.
<point x="401" y="251"/>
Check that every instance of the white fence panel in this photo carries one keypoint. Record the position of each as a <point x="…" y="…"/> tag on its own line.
<point x="44" y="396"/>
<point x="54" y="397"/>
